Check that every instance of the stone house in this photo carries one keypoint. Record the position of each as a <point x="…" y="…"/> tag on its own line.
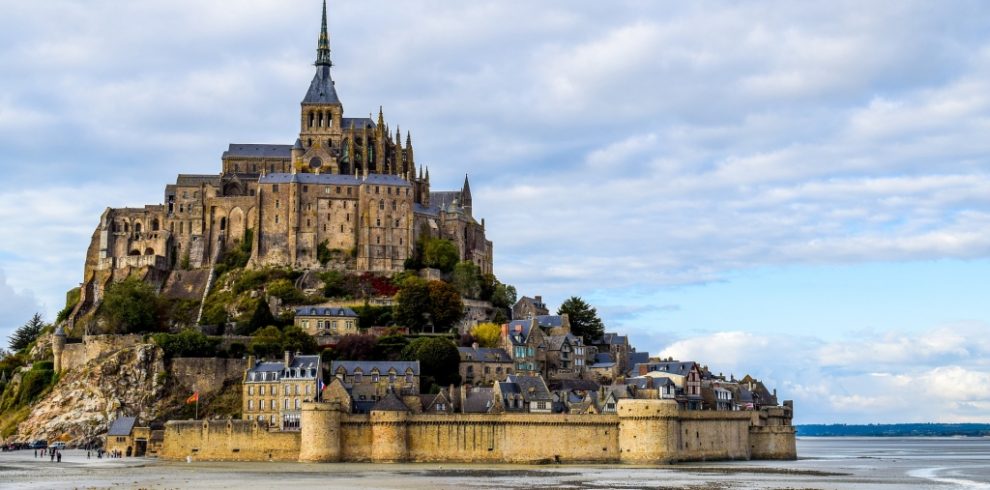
<point x="327" y="320"/>
<point x="476" y="400"/>
<point x="483" y="365"/>
<point x="686" y="375"/>
<point x="523" y="394"/>
<point x="610" y="395"/>
<point x="603" y="368"/>
<point x="369" y="381"/>
<point x="528" y="307"/>
<point x="616" y="345"/>
<point x="566" y="357"/>
<point x="526" y="343"/>
<point x="438" y="403"/>
<point x="579" y="396"/>
<point x="127" y="438"/>
<point x="273" y="392"/>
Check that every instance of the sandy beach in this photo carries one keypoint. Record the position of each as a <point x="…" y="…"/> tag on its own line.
<point x="824" y="464"/>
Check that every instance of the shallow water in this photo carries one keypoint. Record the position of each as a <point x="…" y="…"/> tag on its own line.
<point x="825" y="463"/>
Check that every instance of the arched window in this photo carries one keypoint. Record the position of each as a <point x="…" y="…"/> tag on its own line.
<point x="137" y="227"/>
<point x="154" y="224"/>
<point x="311" y="118"/>
<point x="149" y="251"/>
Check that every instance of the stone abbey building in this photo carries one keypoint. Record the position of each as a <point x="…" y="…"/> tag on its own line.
<point x="348" y="183"/>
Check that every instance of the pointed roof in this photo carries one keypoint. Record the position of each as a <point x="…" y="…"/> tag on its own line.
<point x="390" y="403"/>
<point x="321" y="89"/>
<point x="466" y="190"/>
<point x="323" y="45"/>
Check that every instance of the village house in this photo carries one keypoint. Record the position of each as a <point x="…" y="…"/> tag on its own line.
<point x="565" y="356"/>
<point x="616" y="345"/>
<point x="523" y="394"/>
<point x="526" y="343"/>
<point x="686" y="376"/>
<point x="327" y="320"/>
<point x="273" y="392"/>
<point x="603" y="368"/>
<point x="528" y="307"/>
<point x="370" y="381"/>
<point x="483" y="365"/>
<point x="127" y="438"/>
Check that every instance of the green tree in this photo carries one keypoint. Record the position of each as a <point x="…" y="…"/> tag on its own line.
<point x="286" y="291"/>
<point x="266" y="342"/>
<point x="390" y="347"/>
<point x="466" y="278"/>
<point x="412" y="303"/>
<point x="355" y="348"/>
<point x="130" y="306"/>
<point x="323" y="254"/>
<point x="487" y="334"/>
<point x="446" y="307"/>
<point x="71" y="299"/>
<point x="294" y="339"/>
<point x="440" y="254"/>
<point x="438" y="359"/>
<point x="187" y="343"/>
<point x="261" y="317"/>
<point x="27" y="333"/>
<point x="583" y="318"/>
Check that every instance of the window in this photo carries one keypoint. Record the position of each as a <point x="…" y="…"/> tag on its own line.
<point x="409" y="378"/>
<point x="276" y="204"/>
<point x="285" y="390"/>
<point x="250" y="390"/>
<point x="285" y="405"/>
<point x="381" y="204"/>
<point x="274" y="406"/>
<point x="297" y="404"/>
<point x="250" y="405"/>
<point x="374" y="377"/>
<point x="261" y="390"/>
<point x="391" y="377"/>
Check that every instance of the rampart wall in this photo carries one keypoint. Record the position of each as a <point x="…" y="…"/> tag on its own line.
<point x="95" y="346"/>
<point x="206" y="375"/>
<point x="642" y="432"/>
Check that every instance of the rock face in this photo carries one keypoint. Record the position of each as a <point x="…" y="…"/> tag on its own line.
<point x="86" y="399"/>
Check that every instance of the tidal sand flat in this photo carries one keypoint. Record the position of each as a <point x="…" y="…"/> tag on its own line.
<point x="825" y="463"/>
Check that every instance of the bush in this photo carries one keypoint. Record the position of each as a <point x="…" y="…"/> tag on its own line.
<point x="130" y="306"/>
<point x="187" y="343"/>
<point x="487" y="334"/>
<point x="71" y="299"/>
<point x="236" y="350"/>
<point x="438" y="359"/>
<point x="440" y="254"/>
<point x="284" y="290"/>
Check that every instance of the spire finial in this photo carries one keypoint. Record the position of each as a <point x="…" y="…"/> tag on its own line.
<point x="323" y="46"/>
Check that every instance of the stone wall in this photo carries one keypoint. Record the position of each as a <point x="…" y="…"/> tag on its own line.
<point x="228" y="440"/>
<point x="95" y="347"/>
<point x="643" y="431"/>
<point x="206" y="374"/>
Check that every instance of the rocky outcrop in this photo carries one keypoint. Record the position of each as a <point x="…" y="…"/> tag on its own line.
<point x="126" y="382"/>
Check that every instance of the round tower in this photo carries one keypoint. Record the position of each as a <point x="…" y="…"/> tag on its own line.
<point x="389" y="434"/>
<point x="58" y="346"/>
<point x="648" y="431"/>
<point x="319" y="433"/>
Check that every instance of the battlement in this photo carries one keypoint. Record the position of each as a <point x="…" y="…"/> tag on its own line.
<point x="643" y="431"/>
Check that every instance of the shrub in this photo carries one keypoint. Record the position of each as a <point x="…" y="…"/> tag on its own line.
<point x="130" y="306"/>
<point x="187" y="343"/>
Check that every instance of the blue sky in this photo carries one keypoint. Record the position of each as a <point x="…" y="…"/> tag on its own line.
<point x="798" y="191"/>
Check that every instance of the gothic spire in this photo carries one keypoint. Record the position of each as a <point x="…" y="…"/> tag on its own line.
<point x="323" y="46"/>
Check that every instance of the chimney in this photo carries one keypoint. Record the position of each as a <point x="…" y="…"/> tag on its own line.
<point x="643" y="369"/>
<point x="463" y="398"/>
<point x="250" y="361"/>
<point x="539" y="299"/>
<point x="505" y="330"/>
<point x="288" y="359"/>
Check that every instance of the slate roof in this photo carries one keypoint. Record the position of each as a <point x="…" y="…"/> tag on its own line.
<point x="532" y="387"/>
<point x="253" y="150"/>
<point x="548" y="321"/>
<point x="122" y="426"/>
<point x="478" y="400"/>
<point x="675" y="367"/>
<point x="555" y="342"/>
<point x="363" y="406"/>
<point x="638" y="358"/>
<point x="305" y="362"/>
<point x="390" y="403"/>
<point x="196" y="179"/>
<point x="358" y="122"/>
<point x="574" y="384"/>
<point x="483" y="354"/>
<point x="332" y="179"/>
<point x="603" y="360"/>
<point x="325" y="311"/>
<point x="443" y="199"/>
<point x="383" y="366"/>
<point x="321" y="89"/>
<point x="614" y="339"/>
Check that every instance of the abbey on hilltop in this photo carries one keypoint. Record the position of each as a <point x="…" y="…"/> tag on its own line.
<point x="348" y="184"/>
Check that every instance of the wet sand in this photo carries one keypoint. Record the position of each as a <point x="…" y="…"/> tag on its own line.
<point x="825" y="464"/>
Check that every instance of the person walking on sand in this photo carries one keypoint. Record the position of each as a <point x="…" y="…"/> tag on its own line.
<point x="35" y="452"/>
<point x="51" y="456"/>
<point x="87" y="454"/>
<point x="59" y="456"/>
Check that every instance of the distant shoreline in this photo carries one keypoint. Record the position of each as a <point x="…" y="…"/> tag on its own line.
<point x="894" y="430"/>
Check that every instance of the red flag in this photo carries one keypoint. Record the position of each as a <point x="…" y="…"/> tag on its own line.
<point x="193" y="399"/>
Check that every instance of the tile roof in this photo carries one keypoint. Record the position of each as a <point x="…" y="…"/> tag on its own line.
<point x="574" y="384"/>
<point x="382" y="366"/>
<point x="357" y="122"/>
<point x="325" y="311"/>
<point x="251" y="150"/>
<point x="195" y="179"/>
<point x="556" y="342"/>
<point x="532" y="387"/>
<point x="638" y="358"/>
<point x="122" y="426"/>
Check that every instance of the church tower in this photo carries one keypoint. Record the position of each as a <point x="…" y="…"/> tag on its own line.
<point x="320" y="131"/>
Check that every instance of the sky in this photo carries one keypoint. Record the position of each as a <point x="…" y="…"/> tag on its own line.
<point x="794" y="190"/>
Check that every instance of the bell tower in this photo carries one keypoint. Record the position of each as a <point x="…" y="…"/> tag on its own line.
<point x="320" y="132"/>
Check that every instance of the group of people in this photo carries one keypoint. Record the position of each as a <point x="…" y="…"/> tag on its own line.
<point x="53" y="454"/>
